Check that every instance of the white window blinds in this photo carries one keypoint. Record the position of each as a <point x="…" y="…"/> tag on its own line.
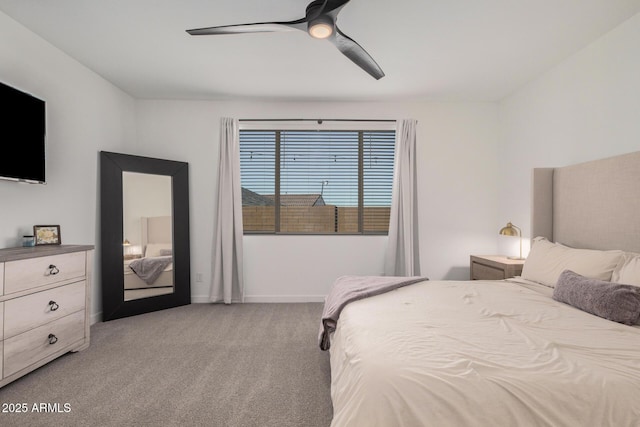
<point x="316" y="181"/>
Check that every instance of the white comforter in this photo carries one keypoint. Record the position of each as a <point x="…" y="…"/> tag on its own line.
<point x="481" y="353"/>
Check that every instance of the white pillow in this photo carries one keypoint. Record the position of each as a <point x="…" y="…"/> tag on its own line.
<point x="628" y="271"/>
<point x="547" y="260"/>
<point x="153" y="249"/>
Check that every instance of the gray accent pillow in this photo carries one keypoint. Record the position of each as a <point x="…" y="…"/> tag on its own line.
<point x="613" y="301"/>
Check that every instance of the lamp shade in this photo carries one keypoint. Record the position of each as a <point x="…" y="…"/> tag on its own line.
<point x="509" y="230"/>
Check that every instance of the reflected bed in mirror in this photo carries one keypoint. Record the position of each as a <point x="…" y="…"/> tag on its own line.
<point x="148" y="260"/>
<point x="145" y="234"/>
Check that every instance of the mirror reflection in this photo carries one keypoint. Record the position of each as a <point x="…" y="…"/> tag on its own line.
<point x="147" y="245"/>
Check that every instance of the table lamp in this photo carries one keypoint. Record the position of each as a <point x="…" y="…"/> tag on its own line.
<point x="512" y="230"/>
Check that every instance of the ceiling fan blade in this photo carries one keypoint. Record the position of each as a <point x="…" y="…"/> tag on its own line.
<point x="356" y="53"/>
<point x="329" y="6"/>
<point x="258" y="27"/>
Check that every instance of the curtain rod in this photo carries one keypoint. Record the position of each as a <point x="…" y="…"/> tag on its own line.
<point x="316" y="120"/>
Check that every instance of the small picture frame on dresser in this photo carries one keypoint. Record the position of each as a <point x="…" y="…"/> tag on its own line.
<point x="47" y="235"/>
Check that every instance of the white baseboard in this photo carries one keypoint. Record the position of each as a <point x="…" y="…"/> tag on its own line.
<point x="95" y="318"/>
<point x="284" y="298"/>
<point x="267" y="298"/>
<point x="204" y="299"/>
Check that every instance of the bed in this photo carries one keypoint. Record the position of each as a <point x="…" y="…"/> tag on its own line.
<point x="152" y="272"/>
<point x="515" y="352"/>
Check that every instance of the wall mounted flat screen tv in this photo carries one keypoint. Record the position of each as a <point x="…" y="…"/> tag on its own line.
<point x="22" y="136"/>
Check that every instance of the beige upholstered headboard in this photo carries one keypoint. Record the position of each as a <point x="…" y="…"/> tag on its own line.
<point x="592" y="205"/>
<point x="156" y="229"/>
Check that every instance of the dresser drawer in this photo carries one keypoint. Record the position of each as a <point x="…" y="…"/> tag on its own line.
<point x="30" y="347"/>
<point x="28" y="312"/>
<point x="33" y="272"/>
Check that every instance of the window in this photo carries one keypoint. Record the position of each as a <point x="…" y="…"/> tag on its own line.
<point x="320" y="179"/>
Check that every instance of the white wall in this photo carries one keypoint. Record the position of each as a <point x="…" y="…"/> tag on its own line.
<point x="458" y="174"/>
<point x="85" y="114"/>
<point x="585" y="108"/>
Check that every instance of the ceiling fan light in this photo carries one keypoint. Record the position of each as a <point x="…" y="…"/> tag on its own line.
<point x="321" y="27"/>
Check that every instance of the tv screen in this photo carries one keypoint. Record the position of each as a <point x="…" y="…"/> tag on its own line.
<point x="22" y="136"/>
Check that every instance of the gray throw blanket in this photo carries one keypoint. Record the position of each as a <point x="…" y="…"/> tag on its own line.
<point x="347" y="289"/>
<point x="148" y="269"/>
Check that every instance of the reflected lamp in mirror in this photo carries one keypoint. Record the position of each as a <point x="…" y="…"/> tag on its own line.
<point x="512" y="230"/>
<point x="130" y="251"/>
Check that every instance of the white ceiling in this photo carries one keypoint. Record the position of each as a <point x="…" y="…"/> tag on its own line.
<point x="429" y="49"/>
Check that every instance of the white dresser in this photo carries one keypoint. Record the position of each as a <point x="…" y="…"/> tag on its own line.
<point x="44" y="305"/>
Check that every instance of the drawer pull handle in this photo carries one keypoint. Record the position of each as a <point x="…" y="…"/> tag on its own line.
<point x="53" y="339"/>
<point x="53" y="305"/>
<point x="53" y="270"/>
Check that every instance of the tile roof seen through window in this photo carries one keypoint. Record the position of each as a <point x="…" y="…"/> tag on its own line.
<point x="251" y="198"/>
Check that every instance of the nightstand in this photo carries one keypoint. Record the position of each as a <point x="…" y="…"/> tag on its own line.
<point x="494" y="267"/>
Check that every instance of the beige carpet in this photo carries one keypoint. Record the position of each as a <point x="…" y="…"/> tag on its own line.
<point x="239" y="365"/>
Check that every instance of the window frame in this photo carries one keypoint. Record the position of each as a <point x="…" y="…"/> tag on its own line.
<point x="320" y="125"/>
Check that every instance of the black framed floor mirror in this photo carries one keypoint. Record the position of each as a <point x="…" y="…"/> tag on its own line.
<point x="144" y="233"/>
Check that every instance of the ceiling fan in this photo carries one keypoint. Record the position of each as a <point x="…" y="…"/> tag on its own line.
<point x="319" y="21"/>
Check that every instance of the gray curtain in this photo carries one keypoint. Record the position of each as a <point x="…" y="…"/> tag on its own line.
<point x="227" y="285"/>
<point x="403" y="255"/>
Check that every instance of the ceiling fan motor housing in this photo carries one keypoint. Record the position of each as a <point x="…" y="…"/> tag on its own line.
<point x="319" y="26"/>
